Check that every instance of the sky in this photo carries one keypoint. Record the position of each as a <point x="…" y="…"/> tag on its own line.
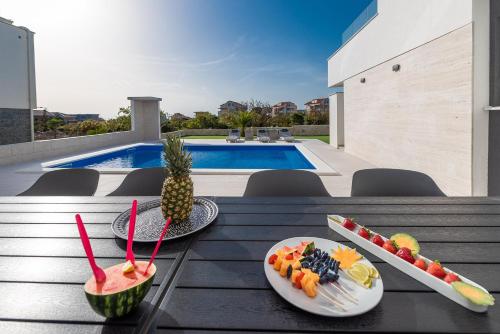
<point x="90" y="55"/>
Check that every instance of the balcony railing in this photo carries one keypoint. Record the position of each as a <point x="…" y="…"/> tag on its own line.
<point x="366" y="15"/>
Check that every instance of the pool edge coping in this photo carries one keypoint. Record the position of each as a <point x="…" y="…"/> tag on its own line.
<point x="321" y="167"/>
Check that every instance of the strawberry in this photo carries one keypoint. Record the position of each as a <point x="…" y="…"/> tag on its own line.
<point x="405" y="254"/>
<point x="272" y="259"/>
<point x="389" y="246"/>
<point x="377" y="240"/>
<point x="436" y="269"/>
<point x="364" y="233"/>
<point x="421" y="264"/>
<point x="349" y="224"/>
<point x="451" y="277"/>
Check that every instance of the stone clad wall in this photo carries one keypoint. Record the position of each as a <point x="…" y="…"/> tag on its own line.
<point x="15" y="126"/>
<point x="418" y="118"/>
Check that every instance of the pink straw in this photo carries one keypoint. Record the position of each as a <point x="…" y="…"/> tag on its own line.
<point x="99" y="274"/>
<point x="158" y="244"/>
<point x="131" y="228"/>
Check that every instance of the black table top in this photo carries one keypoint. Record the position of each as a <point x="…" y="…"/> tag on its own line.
<point x="214" y="281"/>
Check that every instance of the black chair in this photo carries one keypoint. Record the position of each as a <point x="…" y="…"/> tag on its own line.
<point x="393" y="182"/>
<point x="65" y="182"/>
<point x="286" y="183"/>
<point x="142" y="182"/>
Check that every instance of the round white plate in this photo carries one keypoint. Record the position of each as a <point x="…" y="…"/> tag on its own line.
<point x="367" y="298"/>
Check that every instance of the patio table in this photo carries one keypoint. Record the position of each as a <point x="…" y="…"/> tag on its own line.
<point x="214" y="281"/>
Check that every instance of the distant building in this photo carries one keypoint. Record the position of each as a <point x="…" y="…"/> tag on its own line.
<point x="318" y="105"/>
<point x="42" y="115"/>
<point x="201" y="113"/>
<point x="179" y="117"/>
<point x="230" y="107"/>
<point x="65" y="117"/>
<point x="84" y="117"/>
<point x="17" y="83"/>
<point x="284" y="108"/>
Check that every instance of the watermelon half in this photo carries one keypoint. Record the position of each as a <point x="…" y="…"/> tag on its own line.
<point x="121" y="292"/>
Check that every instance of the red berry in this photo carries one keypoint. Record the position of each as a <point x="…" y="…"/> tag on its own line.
<point x="389" y="246"/>
<point x="405" y="254"/>
<point x="421" y="264"/>
<point x="377" y="240"/>
<point x="298" y="280"/>
<point x="436" y="269"/>
<point x="272" y="258"/>
<point x="349" y="224"/>
<point x="364" y="233"/>
<point x="289" y="257"/>
<point x="451" y="277"/>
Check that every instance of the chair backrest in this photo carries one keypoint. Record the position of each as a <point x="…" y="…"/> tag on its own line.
<point x="235" y="132"/>
<point x="284" y="183"/>
<point x="284" y="131"/>
<point x="393" y="182"/>
<point x="262" y="132"/>
<point x="142" y="182"/>
<point x="65" y="182"/>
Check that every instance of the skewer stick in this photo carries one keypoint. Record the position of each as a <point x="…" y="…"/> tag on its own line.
<point x="345" y="294"/>
<point x="335" y="302"/>
<point x="331" y="295"/>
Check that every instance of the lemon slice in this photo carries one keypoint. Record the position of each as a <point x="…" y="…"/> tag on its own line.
<point x="359" y="272"/>
<point x="368" y="284"/>
<point x="374" y="273"/>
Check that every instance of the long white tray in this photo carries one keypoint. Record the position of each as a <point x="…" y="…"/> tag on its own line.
<point x="431" y="281"/>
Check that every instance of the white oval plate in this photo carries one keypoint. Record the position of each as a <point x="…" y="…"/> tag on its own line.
<point x="367" y="298"/>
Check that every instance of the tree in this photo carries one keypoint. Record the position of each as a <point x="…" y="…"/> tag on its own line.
<point x="280" y="120"/>
<point x="241" y="120"/>
<point x="317" y="118"/>
<point x="297" y="118"/>
<point x="124" y="111"/>
<point x="261" y="111"/>
<point x="53" y="124"/>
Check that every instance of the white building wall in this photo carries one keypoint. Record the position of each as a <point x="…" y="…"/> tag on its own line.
<point x="418" y="118"/>
<point x="336" y="105"/>
<point x="400" y="26"/>
<point x="17" y="68"/>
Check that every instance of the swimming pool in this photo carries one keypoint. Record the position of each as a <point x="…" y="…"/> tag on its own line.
<point x="204" y="157"/>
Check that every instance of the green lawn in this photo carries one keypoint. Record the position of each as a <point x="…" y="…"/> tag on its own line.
<point x="325" y="139"/>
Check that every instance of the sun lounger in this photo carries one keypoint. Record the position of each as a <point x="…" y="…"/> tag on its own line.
<point x="286" y="135"/>
<point x="233" y="136"/>
<point x="263" y="136"/>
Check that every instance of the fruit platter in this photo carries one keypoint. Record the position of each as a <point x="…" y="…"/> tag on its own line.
<point x="402" y="251"/>
<point x="323" y="277"/>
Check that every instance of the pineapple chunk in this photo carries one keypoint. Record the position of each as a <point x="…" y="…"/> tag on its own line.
<point x="128" y="267"/>
<point x="277" y="263"/>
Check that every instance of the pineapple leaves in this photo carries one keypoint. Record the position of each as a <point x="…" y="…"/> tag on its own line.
<point x="178" y="160"/>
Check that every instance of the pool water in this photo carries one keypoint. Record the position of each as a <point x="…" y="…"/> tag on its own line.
<point x="204" y="156"/>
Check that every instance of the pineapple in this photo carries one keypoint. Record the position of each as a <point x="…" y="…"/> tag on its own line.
<point x="177" y="192"/>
